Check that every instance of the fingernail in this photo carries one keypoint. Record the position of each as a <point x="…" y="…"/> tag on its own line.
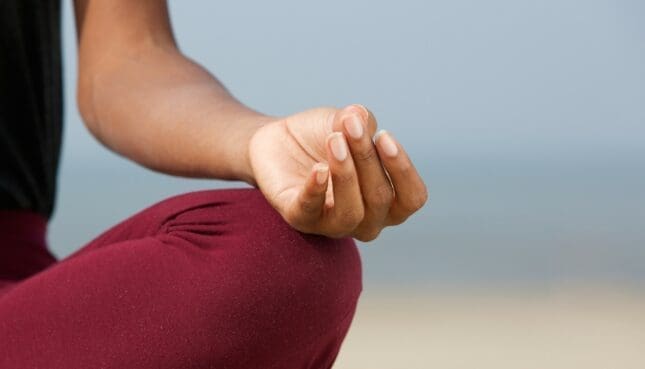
<point x="364" y="109"/>
<point x="322" y="172"/>
<point x="338" y="146"/>
<point x="386" y="142"/>
<point x="354" y="126"/>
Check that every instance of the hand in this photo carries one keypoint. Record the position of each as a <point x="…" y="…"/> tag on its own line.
<point x="371" y="186"/>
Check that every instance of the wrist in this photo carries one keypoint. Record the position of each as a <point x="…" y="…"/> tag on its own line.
<point x="241" y="161"/>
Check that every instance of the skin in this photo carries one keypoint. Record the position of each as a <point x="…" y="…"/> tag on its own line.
<point x="143" y="99"/>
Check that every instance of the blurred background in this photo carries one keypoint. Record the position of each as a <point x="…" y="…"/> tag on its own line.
<point x="525" y="118"/>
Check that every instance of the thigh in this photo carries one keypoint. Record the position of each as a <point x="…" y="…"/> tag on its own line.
<point x="23" y="246"/>
<point x="206" y="279"/>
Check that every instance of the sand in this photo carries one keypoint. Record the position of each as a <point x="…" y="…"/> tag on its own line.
<point x="567" y="328"/>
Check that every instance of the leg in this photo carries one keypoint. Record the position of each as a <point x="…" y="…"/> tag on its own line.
<point x="210" y="279"/>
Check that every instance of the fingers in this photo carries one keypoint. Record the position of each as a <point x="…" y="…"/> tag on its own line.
<point x="373" y="183"/>
<point x="310" y="202"/>
<point x="347" y="212"/>
<point x="377" y="192"/>
<point x="368" y="118"/>
<point x="410" y="191"/>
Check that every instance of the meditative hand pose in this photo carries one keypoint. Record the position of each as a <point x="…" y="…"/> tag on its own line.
<point x="264" y="277"/>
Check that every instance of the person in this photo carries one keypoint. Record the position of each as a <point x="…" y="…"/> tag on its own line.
<point x="261" y="277"/>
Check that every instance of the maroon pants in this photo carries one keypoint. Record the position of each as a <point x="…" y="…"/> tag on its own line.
<point x="208" y="279"/>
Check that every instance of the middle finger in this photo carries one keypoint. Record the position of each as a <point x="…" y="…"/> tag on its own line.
<point x="376" y="189"/>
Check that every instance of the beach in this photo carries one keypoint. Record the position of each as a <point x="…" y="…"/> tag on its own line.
<point x="577" y="327"/>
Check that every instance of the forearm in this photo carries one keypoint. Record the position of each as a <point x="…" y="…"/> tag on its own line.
<point x="165" y="112"/>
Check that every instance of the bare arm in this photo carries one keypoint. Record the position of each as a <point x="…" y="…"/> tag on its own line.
<point x="322" y="169"/>
<point x="143" y="99"/>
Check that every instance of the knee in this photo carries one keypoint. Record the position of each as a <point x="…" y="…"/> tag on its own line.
<point x="241" y="225"/>
<point x="278" y="286"/>
<point x="307" y="275"/>
<point x="240" y="228"/>
<point x="286" y="260"/>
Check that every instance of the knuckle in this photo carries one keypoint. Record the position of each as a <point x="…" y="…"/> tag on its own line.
<point x="344" y="178"/>
<point x="309" y="207"/>
<point x="382" y="196"/>
<point x="425" y="196"/>
<point x="294" y="220"/>
<point x="350" y="218"/>
<point x="414" y="203"/>
<point x="304" y="228"/>
<point x="397" y="219"/>
<point x="406" y="169"/>
<point x="338" y="232"/>
<point x="366" y="154"/>
<point x="368" y="235"/>
<point x="420" y="199"/>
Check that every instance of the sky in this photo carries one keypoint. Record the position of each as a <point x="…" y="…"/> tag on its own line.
<point x="526" y="119"/>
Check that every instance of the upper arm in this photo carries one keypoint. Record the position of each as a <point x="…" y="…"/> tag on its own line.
<point x="110" y="30"/>
<point x="117" y="25"/>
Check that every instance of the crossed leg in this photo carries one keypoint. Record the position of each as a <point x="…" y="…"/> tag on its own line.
<point x="208" y="279"/>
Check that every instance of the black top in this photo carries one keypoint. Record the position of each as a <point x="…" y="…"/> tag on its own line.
<point x="30" y="103"/>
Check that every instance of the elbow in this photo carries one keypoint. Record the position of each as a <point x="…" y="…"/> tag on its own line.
<point x="85" y="102"/>
<point x="84" y="99"/>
